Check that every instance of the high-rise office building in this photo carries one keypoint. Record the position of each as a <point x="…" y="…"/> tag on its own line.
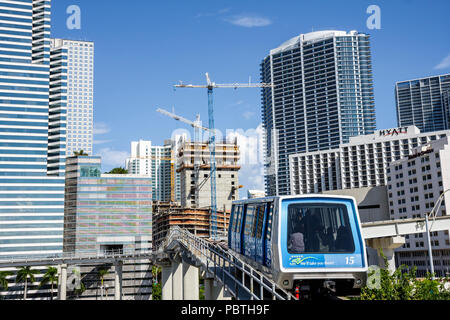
<point x="80" y="93"/>
<point x="424" y="103"/>
<point x="159" y="163"/>
<point x="32" y="132"/>
<point x="323" y="96"/>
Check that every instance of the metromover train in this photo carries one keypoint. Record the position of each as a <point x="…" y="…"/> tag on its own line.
<point x="311" y="245"/>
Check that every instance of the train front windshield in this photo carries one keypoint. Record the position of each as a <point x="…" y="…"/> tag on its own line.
<point x="319" y="228"/>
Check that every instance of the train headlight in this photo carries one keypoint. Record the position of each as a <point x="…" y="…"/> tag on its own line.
<point x="286" y="283"/>
<point x="358" y="282"/>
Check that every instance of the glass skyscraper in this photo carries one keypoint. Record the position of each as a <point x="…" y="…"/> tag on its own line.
<point x="424" y="103"/>
<point x="32" y="131"/>
<point x="323" y="96"/>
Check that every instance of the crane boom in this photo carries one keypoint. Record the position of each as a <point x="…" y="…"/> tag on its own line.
<point x="179" y="118"/>
<point x="212" y="85"/>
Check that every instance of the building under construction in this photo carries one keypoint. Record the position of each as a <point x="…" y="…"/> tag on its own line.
<point x="193" y="165"/>
<point x="195" y="220"/>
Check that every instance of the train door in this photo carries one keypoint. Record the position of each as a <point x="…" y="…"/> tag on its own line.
<point x="259" y="233"/>
<point x="267" y="236"/>
<point x="248" y="240"/>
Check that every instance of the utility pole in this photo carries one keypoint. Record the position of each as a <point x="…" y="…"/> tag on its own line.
<point x="433" y="214"/>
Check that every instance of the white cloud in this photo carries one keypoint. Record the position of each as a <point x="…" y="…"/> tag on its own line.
<point x="249" y="21"/>
<point x="250" y="143"/>
<point x="444" y="63"/>
<point x="252" y="178"/>
<point x="101" y="128"/>
<point x="99" y="142"/>
<point x="112" y="157"/>
<point x="248" y="115"/>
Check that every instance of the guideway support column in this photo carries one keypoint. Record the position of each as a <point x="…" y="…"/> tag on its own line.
<point x="214" y="290"/>
<point x="118" y="280"/>
<point x="191" y="288"/>
<point x="63" y="282"/>
<point x="387" y="245"/>
<point x="177" y="280"/>
<point x="166" y="279"/>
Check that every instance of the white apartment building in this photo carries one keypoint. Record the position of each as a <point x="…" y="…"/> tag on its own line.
<point x="80" y="94"/>
<point x="358" y="164"/>
<point x="157" y="162"/>
<point x="414" y="185"/>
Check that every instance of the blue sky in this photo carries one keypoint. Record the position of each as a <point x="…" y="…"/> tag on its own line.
<point x="143" y="48"/>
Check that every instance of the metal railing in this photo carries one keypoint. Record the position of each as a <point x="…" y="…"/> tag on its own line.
<point x="78" y="258"/>
<point x="239" y="278"/>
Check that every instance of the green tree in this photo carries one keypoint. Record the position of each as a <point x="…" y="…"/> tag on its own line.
<point x="80" y="291"/>
<point x="3" y="281"/>
<point x="403" y="284"/>
<point x="101" y="274"/>
<point x="156" y="287"/>
<point x="51" y="276"/>
<point x="119" y="170"/>
<point x="80" y="153"/>
<point x="23" y="275"/>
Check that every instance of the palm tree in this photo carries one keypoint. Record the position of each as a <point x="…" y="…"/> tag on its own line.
<point x="3" y="280"/>
<point x="80" y="153"/>
<point x="22" y="276"/>
<point x="102" y="273"/>
<point x="51" y="276"/>
<point x="80" y="291"/>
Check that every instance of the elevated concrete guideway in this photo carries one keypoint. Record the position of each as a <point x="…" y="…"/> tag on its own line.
<point x="389" y="235"/>
<point x="396" y="228"/>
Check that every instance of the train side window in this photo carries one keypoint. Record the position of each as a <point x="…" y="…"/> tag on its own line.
<point x="240" y="210"/>
<point x="234" y="213"/>
<point x="260" y="223"/>
<point x="255" y="221"/>
<point x="269" y="222"/>
<point x="249" y="216"/>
